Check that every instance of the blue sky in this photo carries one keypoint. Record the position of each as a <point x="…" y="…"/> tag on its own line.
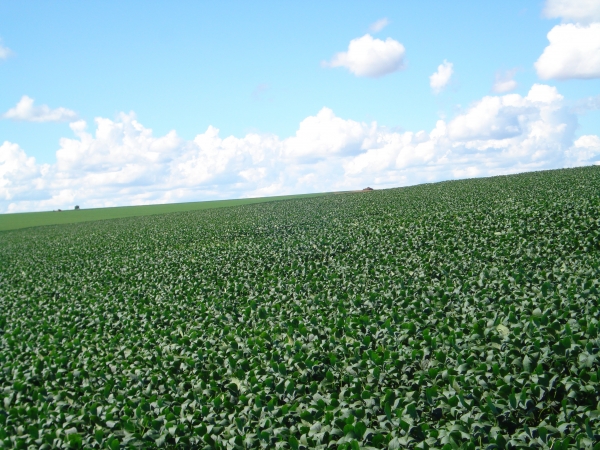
<point x="261" y="69"/>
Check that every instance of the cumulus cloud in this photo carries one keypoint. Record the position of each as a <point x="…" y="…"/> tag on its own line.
<point x="574" y="46"/>
<point x="582" y="11"/>
<point x="584" y="151"/>
<point x="500" y="121"/>
<point x="21" y="178"/>
<point x="504" y="82"/>
<point x="369" y="57"/>
<point x="441" y="78"/>
<point x="122" y="162"/>
<point x="25" y="110"/>
<point x="379" y="25"/>
<point x="325" y="135"/>
<point x="573" y="52"/>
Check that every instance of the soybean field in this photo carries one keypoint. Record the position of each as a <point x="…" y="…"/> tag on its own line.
<point x="461" y="314"/>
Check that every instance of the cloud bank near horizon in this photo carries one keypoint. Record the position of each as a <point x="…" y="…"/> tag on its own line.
<point x="123" y="163"/>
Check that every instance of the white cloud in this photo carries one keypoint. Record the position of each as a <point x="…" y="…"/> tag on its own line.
<point x="122" y="163"/>
<point x="585" y="150"/>
<point x="379" y="25"/>
<point x="497" y="121"/>
<point x="582" y="11"/>
<point x="20" y="177"/>
<point x="25" y="110"/>
<point x="325" y="135"/>
<point x="440" y="79"/>
<point x="504" y="82"/>
<point x="573" y="52"/>
<point x="369" y="57"/>
<point x="5" y="52"/>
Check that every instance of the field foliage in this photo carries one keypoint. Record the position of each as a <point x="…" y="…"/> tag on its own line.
<point x="451" y="315"/>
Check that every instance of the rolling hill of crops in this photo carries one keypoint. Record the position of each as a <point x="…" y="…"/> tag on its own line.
<point x="453" y="315"/>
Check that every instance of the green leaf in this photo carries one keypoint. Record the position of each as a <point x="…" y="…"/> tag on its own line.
<point x="441" y="357"/>
<point x="307" y="416"/>
<point x="512" y="399"/>
<point x="412" y="410"/>
<point x="360" y="428"/>
<point x="114" y="444"/>
<point x="388" y="411"/>
<point x="282" y="369"/>
<point x="75" y="440"/>
<point x="99" y="435"/>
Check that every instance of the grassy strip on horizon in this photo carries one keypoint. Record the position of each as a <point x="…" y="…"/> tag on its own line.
<point x="16" y="221"/>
